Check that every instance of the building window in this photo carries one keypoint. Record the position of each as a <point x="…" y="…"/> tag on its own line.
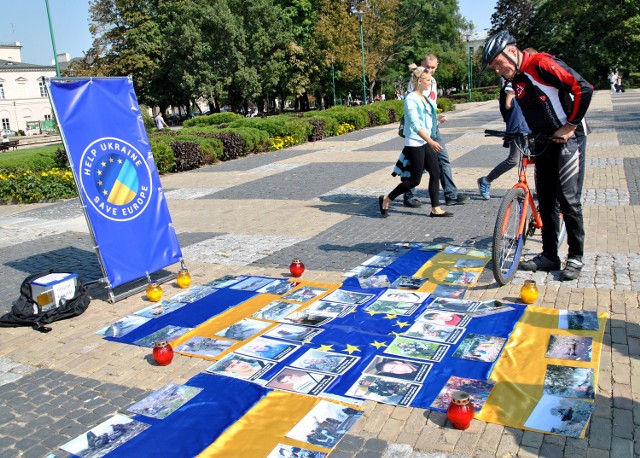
<point x="5" y="123"/>
<point x="1" y="91"/>
<point x="43" y="89"/>
<point x="47" y="117"/>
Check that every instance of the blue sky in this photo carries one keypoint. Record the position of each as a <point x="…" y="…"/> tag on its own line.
<point x="26" y="21"/>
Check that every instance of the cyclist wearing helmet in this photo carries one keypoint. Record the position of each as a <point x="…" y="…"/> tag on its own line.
<point x="554" y="99"/>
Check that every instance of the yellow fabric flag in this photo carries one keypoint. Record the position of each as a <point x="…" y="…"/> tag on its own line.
<point x="266" y="425"/>
<point x="520" y="372"/>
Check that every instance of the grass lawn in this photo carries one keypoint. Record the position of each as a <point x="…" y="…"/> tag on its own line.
<point x="39" y="156"/>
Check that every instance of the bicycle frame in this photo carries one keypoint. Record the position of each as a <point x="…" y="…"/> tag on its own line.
<point x="528" y="196"/>
<point x="522" y="184"/>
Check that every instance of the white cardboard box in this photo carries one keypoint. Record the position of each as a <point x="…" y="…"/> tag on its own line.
<point x="47" y="291"/>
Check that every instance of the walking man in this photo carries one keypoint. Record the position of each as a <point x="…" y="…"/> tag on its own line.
<point x="160" y="123"/>
<point x="554" y="99"/>
<point x="451" y="195"/>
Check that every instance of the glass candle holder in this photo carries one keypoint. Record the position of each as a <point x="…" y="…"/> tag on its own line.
<point x="154" y="292"/>
<point x="529" y="292"/>
<point x="296" y="268"/>
<point x="461" y="410"/>
<point x="162" y="353"/>
<point x="183" y="279"/>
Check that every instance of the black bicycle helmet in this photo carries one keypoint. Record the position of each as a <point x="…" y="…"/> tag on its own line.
<point x="494" y="46"/>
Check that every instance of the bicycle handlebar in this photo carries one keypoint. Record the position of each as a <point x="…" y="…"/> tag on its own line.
<point x="511" y="136"/>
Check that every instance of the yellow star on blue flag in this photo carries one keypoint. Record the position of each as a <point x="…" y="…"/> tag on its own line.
<point x="378" y="344"/>
<point x="351" y="348"/>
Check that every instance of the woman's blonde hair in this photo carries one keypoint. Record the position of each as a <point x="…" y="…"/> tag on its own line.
<point x="416" y="73"/>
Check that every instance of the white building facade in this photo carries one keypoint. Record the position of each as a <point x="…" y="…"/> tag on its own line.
<point x="23" y="93"/>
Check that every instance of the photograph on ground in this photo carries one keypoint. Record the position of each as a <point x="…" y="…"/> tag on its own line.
<point x="404" y="369"/>
<point x="479" y="347"/>
<point x="419" y="349"/>
<point x="384" y="389"/>
<point x="479" y="391"/>
<point x="301" y="381"/>
<point x="570" y="382"/>
<point x="163" y="402"/>
<point x="105" y="437"/>
<point x="205" y="346"/>
<point x="570" y="347"/>
<point x="325" y="424"/>
<point x="555" y="414"/>
<point x="241" y="366"/>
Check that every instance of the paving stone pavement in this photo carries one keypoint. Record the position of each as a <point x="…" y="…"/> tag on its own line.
<point x="318" y="202"/>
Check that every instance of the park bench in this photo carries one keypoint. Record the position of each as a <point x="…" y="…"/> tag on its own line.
<point x="4" y="146"/>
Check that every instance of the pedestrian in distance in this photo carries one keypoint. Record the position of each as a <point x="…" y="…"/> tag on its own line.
<point x="613" y="79"/>
<point x="619" y="83"/>
<point x="451" y="194"/>
<point x="512" y="116"/>
<point x="554" y="99"/>
<point x="160" y="123"/>
<point x="420" y="148"/>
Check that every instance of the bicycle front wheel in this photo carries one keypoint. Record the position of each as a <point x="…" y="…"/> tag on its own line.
<point x="508" y="241"/>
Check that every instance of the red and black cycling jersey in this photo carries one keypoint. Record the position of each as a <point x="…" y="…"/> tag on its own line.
<point x="551" y="94"/>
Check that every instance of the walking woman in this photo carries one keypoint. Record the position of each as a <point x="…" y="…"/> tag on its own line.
<point x="420" y="150"/>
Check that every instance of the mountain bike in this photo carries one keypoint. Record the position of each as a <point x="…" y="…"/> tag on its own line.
<point x="518" y="216"/>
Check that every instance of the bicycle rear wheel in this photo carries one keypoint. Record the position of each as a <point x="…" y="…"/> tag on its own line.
<point x="508" y="244"/>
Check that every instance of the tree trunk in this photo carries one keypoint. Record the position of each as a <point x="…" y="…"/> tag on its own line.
<point x="372" y="85"/>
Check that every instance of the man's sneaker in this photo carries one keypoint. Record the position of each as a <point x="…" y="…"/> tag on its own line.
<point x="484" y="187"/>
<point x="413" y="203"/>
<point x="572" y="270"/>
<point x="540" y="262"/>
<point x="461" y="199"/>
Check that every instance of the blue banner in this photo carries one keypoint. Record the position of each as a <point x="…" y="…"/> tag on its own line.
<point x="107" y="145"/>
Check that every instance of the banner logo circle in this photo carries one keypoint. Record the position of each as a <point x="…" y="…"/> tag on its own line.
<point x="115" y="178"/>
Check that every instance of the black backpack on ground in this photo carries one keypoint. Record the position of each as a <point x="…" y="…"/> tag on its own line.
<point x="26" y="311"/>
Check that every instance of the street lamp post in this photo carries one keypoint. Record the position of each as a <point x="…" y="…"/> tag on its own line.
<point x="333" y="80"/>
<point x="360" y="15"/>
<point x="469" y="68"/>
<point x="53" y="41"/>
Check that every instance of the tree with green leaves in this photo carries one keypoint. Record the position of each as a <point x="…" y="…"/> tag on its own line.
<point x="514" y="16"/>
<point x="127" y="40"/>
<point x="609" y="36"/>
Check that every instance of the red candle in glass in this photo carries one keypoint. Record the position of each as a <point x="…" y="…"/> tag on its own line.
<point x="461" y="410"/>
<point x="296" y="268"/>
<point x="162" y="353"/>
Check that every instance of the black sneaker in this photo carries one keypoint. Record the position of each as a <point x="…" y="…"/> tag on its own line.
<point x="572" y="270"/>
<point x="540" y="262"/>
<point x="461" y="199"/>
<point x="413" y="203"/>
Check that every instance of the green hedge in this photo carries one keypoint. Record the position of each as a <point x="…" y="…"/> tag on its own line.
<point x="346" y="115"/>
<point x="255" y="140"/>
<point x="163" y="155"/>
<point x="211" y="148"/>
<point x="212" y="119"/>
<point x="445" y="104"/>
<point x="279" y="126"/>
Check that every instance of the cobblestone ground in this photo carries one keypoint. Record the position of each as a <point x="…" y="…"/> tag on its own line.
<point x="318" y="202"/>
